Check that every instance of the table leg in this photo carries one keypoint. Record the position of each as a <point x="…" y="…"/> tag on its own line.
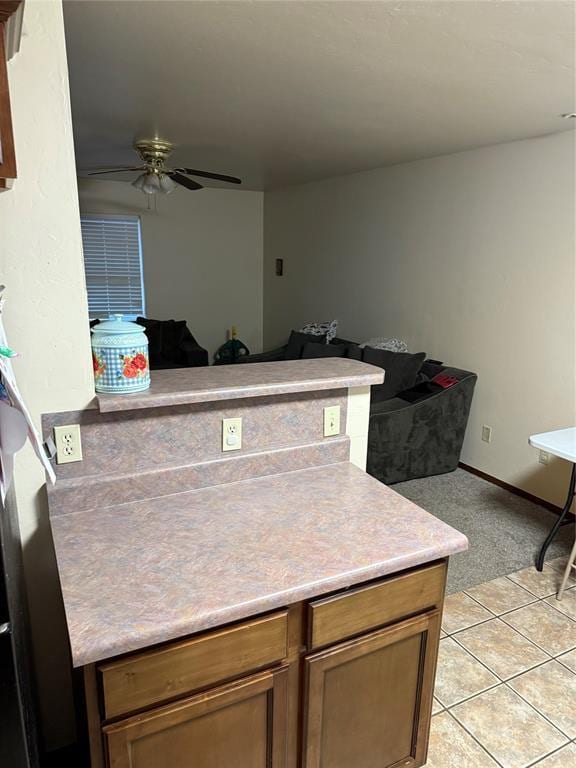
<point x="558" y="523"/>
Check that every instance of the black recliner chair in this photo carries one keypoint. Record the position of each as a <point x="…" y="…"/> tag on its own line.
<point x="170" y="344"/>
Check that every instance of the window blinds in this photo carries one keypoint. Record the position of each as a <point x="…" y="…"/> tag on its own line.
<point x="113" y="265"/>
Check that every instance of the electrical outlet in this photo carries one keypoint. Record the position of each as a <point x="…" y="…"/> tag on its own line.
<point x="68" y="444"/>
<point x="487" y="434"/>
<point x="231" y="434"/>
<point x="543" y="457"/>
<point x="331" y="420"/>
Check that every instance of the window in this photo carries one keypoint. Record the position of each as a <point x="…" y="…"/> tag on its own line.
<point x="113" y="265"/>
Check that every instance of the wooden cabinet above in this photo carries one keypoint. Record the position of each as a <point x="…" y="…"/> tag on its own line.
<point x="10" y="30"/>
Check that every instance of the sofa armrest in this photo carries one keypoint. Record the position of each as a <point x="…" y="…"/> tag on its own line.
<point x="409" y="440"/>
<point x="194" y="355"/>
<point x="265" y="357"/>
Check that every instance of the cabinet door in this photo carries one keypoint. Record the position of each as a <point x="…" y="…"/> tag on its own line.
<point x="368" y="701"/>
<point x="242" y="725"/>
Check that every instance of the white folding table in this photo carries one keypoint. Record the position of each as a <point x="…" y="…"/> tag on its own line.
<point x="562" y="443"/>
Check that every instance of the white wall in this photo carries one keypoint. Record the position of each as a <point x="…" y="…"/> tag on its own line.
<point x="203" y="256"/>
<point x="45" y="315"/>
<point x="469" y="257"/>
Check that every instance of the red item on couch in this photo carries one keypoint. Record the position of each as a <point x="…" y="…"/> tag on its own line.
<point x="444" y="380"/>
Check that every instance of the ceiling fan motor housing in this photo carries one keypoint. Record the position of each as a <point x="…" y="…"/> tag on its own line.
<point x="153" y="152"/>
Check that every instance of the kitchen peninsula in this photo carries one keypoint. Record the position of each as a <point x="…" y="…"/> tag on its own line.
<point x="254" y="603"/>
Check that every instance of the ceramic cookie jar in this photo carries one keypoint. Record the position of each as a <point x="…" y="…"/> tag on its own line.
<point x="120" y="356"/>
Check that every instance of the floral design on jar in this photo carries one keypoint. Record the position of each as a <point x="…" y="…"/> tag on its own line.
<point x="134" y="365"/>
<point x="98" y="365"/>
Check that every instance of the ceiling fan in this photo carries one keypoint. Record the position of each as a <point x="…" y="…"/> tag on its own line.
<point x="155" y="176"/>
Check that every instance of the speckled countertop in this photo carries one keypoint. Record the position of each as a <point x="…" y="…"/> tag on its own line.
<point x="229" y="382"/>
<point x="145" y="572"/>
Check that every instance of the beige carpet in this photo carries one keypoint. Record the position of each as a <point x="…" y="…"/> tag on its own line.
<point x="505" y="531"/>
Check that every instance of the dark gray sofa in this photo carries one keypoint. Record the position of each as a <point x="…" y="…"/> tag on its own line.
<point x="410" y="439"/>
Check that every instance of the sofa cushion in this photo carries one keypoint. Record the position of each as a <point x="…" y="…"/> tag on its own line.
<point x="387" y="406"/>
<point x="312" y="350"/>
<point x="354" y="351"/>
<point x="401" y="371"/>
<point x="297" y="341"/>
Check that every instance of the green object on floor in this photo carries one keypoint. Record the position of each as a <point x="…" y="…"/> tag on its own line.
<point x="232" y="351"/>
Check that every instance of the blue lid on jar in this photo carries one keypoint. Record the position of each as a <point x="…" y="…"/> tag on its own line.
<point x="116" y="324"/>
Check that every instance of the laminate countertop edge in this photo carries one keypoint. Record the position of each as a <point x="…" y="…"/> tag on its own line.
<point x="183" y="386"/>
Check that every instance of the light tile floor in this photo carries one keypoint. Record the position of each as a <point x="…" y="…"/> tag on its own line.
<point x="506" y="682"/>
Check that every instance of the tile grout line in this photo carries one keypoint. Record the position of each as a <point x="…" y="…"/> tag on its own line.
<point x="448" y="709"/>
<point x="539" y="713"/>
<point x="550" y="754"/>
<point x="518" y="674"/>
<point x="506" y="576"/>
<point x="566" y="650"/>
<point x="559" y="660"/>
<point x="484" y="749"/>
<point x="472" y="695"/>
<point x="550" y="657"/>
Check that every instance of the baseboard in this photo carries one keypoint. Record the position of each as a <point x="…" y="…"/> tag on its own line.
<point x="512" y="488"/>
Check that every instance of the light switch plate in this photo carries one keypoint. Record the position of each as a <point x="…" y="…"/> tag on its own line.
<point x="487" y="433"/>
<point x="331" y="420"/>
<point x="68" y="444"/>
<point x="231" y="434"/>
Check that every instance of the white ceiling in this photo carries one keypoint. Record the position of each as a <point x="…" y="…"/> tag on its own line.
<point x="288" y="91"/>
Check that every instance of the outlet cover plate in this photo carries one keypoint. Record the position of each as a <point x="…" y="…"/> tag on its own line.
<point x="68" y="444"/>
<point x="487" y="434"/>
<point x="331" y="420"/>
<point x="231" y="434"/>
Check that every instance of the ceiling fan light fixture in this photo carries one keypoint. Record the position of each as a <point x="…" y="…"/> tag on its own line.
<point x="167" y="185"/>
<point x="139" y="182"/>
<point x="151" y="184"/>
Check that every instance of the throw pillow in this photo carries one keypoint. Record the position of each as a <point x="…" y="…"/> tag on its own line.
<point x="401" y="371"/>
<point x="312" y="350"/>
<point x="327" y="329"/>
<point x="297" y="341"/>
<point x="394" y="345"/>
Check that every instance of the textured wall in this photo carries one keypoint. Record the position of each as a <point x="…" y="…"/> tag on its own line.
<point x="202" y="254"/>
<point x="45" y="315"/>
<point x="469" y="257"/>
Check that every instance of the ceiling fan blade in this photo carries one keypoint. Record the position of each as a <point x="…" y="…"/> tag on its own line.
<point x="184" y="181"/>
<point x="115" y="170"/>
<point x="209" y="175"/>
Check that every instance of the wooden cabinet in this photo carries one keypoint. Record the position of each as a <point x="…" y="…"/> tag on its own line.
<point x="176" y="669"/>
<point x="361" y="609"/>
<point x="241" y="725"/>
<point x="343" y="681"/>
<point x="368" y="701"/>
